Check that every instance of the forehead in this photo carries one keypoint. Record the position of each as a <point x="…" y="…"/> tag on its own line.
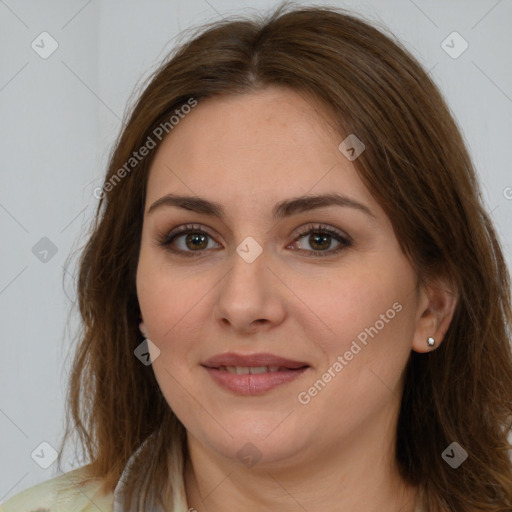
<point x="267" y="144"/>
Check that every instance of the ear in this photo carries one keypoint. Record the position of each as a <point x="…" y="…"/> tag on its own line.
<point x="436" y="306"/>
<point x="142" y="328"/>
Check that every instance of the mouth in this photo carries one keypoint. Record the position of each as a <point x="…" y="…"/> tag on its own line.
<point x="253" y="374"/>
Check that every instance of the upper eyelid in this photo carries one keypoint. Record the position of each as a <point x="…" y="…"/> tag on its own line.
<point x="303" y="227"/>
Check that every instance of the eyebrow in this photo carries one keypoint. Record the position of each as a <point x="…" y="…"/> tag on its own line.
<point x="281" y="210"/>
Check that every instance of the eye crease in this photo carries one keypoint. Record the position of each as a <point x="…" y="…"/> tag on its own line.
<point x="314" y="234"/>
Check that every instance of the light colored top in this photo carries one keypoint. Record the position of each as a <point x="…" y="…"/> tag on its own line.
<point x="74" y="491"/>
<point x="69" y="493"/>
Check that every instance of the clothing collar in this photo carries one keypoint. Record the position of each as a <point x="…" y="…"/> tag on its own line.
<point x="180" y="502"/>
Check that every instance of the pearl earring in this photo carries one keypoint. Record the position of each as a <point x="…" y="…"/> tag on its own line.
<point x="431" y="342"/>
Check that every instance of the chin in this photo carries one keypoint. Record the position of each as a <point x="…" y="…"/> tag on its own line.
<point x="255" y="442"/>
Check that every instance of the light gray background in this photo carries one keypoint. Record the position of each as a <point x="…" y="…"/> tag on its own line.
<point x="60" y="116"/>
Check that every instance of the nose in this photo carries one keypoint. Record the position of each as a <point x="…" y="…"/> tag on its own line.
<point x="251" y="296"/>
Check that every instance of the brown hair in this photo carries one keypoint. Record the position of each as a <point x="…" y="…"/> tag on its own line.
<point x="417" y="168"/>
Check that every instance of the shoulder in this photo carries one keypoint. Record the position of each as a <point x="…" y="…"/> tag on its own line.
<point x="74" y="491"/>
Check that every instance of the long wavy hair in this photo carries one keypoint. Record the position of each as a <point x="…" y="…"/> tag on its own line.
<point x="415" y="165"/>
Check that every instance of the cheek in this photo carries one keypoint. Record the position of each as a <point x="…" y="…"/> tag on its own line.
<point x="169" y="299"/>
<point x="363" y="365"/>
<point x="176" y="306"/>
<point x="171" y="304"/>
<point x="349" y="305"/>
<point x="368" y="322"/>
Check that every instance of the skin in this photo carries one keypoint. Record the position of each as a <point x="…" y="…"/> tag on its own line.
<point x="336" y="452"/>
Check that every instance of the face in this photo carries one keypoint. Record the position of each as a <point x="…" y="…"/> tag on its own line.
<point x="320" y="292"/>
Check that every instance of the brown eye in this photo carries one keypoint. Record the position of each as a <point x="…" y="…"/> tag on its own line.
<point x="320" y="240"/>
<point x="195" y="241"/>
<point x="187" y="240"/>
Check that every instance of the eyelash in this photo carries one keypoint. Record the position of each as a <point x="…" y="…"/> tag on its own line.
<point x="345" y="241"/>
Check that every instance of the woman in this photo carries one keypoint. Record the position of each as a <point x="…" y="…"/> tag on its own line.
<point x="293" y="298"/>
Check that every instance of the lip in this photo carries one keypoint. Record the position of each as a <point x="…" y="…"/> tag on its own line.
<point x="257" y="384"/>
<point x="253" y="384"/>
<point x="252" y="360"/>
